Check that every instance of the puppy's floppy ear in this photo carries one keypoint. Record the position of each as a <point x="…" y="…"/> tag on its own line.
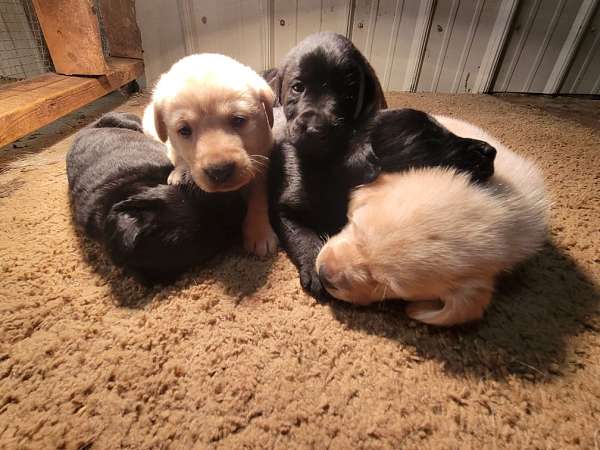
<point x="273" y="78"/>
<point x="118" y="120"/>
<point x="159" y="121"/>
<point x="370" y="96"/>
<point x="128" y="218"/>
<point x="267" y="98"/>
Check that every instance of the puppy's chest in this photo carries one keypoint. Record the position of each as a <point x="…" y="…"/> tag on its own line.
<point x="320" y="198"/>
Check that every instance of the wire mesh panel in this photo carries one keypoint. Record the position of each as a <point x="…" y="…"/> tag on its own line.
<point x="23" y="52"/>
<point x="103" y="36"/>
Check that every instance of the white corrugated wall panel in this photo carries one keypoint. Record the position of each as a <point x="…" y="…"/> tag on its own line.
<point x="293" y="20"/>
<point x="237" y="28"/>
<point x="385" y="31"/>
<point x="162" y="35"/>
<point x="414" y="45"/>
<point x="534" y="44"/>
<point x="583" y="75"/>
<point x="458" y="39"/>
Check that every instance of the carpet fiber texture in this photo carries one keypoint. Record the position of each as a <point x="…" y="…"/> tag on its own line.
<point x="234" y="355"/>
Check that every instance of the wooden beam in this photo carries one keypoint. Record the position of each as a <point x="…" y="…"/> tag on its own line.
<point x="122" y="32"/>
<point x="72" y="34"/>
<point x="28" y="105"/>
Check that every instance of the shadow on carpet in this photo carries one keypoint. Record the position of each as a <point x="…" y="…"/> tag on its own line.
<point x="131" y="292"/>
<point x="524" y="332"/>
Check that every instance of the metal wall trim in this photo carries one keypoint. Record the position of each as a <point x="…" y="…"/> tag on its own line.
<point x="417" y="50"/>
<point x="570" y="46"/>
<point x="467" y="46"/>
<point x="496" y="44"/>
<point x="547" y="36"/>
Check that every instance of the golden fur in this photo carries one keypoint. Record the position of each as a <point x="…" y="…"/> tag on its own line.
<point x="431" y="236"/>
<point x="206" y="94"/>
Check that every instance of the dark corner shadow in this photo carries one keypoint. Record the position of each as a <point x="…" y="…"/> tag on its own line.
<point x="580" y="109"/>
<point x="240" y="274"/>
<point x="525" y="332"/>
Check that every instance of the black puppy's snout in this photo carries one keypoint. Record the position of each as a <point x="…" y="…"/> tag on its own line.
<point x="219" y="173"/>
<point x="487" y="150"/>
<point x="310" y="122"/>
<point x="324" y="276"/>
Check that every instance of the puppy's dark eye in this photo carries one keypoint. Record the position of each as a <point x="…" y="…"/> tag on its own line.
<point x="298" y="87"/>
<point x="184" y="131"/>
<point x="238" y="121"/>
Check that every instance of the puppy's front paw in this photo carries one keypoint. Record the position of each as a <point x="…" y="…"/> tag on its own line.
<point x="176" y="176"/>
<point x="310" y="282"/>
<point x="260" y="239"/>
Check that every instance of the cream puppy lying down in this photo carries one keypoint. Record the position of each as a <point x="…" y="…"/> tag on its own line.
<point x="215" y="116"/>
<point x="431" y="237"/>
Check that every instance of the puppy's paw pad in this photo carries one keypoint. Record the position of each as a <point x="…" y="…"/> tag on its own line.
<point x="261" y="242"/>
<point x="175" y="177"/>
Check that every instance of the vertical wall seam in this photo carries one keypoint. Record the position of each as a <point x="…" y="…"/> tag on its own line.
<point x="467" y="46"/>
<point x="391" y="51"/>
<point x="569" y="48"/>
<point x="542" y="51"/>
<point x="495" y="47"/>
<point x="515" y="59"/>
<point x="596" y="87"/>
<point x="185" y="11"/>
<point x="372" y="24"/>
<point x="444" y="48"/>
<point x="586" y="63"/>
<point x="350" y="7"/>
<point x="417" y="49"/>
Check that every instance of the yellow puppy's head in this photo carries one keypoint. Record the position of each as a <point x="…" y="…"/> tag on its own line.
<point x="345" y="272"/>
<point x="217" y="115"/>
<point x="347" y="266"/>
<point x="380" y="253"/>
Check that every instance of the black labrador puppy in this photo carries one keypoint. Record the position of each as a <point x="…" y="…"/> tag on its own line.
<point x="119" y="195"/>
<point x="335" y="138"/>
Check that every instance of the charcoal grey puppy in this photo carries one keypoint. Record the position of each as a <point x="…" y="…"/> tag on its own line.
<point x="119" y="196"/>
<point x="329" y="132"/>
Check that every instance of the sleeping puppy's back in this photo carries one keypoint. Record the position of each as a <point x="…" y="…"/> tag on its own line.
<point x="117" y="186"/>
<point x="109" y="161"/>
<point x="441" y="236"/>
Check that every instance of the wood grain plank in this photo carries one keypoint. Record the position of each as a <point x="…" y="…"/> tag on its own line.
<point x="26" y="111"/>
<point x="122" y="32"/>
<point x="27" y="86"/>
<point x="72" y="34"/>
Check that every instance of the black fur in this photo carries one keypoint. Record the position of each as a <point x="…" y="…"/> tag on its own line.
<point x="332" y="142"/>
<point x="339" y="92"/>
<point x="119" y="196"/>
<point x="402" y="139"/>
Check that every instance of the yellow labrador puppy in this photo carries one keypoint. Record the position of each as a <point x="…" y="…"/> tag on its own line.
<point x="215" y="116"/>
<point x="434" y="238"/>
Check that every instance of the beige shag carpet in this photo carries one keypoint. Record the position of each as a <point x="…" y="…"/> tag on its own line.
<point x="234" y="355"/>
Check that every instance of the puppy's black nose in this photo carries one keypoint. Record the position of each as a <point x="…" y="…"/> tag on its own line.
<point x="324" y="276"/>
<point x="219" y="173"/>
<point x="310" y="122"/>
